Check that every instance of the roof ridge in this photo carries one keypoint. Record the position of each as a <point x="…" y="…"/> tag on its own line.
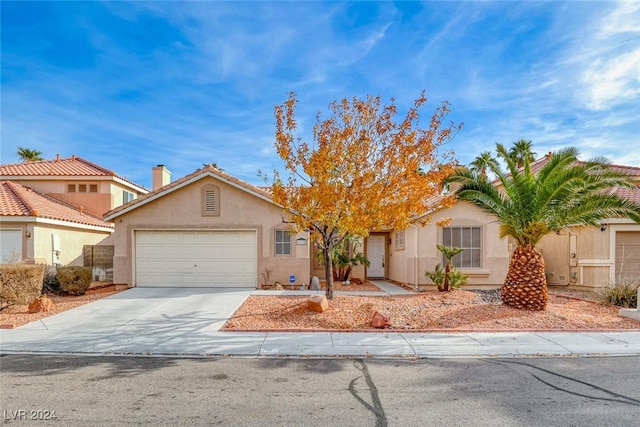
<point x="93" y="165"/>
<point x="12" y="187"/>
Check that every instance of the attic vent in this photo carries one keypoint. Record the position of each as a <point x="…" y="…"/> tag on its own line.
<point x="210" y="200"/>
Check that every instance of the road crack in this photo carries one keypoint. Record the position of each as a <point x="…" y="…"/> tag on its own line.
<point x="376" y="408"/>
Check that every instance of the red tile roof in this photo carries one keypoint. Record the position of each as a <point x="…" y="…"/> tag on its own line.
<point x="18" y="200"/>
<point x="71" y="166"/>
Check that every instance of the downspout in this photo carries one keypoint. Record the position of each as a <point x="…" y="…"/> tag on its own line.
<point x="416" y="258"/>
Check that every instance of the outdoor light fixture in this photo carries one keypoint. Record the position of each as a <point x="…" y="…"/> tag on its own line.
<point x="603" y="227"/>
<point x="27" y="234"/>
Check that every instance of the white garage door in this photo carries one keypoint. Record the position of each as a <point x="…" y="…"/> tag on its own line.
<point x="196" y="258"/>
<point x="628" y="255"/>
<point x="11" y="246"/>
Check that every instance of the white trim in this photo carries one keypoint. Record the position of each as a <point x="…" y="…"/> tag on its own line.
<point x="190" y="181"/>
<point x="39" y="220"/>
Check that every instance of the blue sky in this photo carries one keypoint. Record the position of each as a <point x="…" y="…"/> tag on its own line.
<point x="130" y="85"/>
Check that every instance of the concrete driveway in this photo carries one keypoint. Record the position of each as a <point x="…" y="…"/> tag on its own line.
<point x="187" y="322"/>
<point x="138" y="320"/>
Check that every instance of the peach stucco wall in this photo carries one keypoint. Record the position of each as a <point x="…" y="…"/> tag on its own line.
<point x="420" y="254"/>
<point x="239" y="210"/>
<point x="594" y="263"/>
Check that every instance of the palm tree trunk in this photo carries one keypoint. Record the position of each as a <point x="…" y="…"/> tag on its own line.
<point x="526" y="284"/>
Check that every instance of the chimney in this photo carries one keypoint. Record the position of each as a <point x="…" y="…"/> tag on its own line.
<point x="161" y="177"/>
<point x="58" y="158"/>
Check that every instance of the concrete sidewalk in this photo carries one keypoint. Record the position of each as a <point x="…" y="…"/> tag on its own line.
<point x="187" y="322"/>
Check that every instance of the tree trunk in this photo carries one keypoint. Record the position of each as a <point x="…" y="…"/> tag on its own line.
<point x="526" y="284"/>
<point x="328" y="272"/>
<point x="447" y="269"/>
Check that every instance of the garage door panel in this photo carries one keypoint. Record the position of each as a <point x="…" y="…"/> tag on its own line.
<point x="628" y="255"/>
<point x="203" y="259"/>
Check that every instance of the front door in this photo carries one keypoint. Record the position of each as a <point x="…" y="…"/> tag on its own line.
<point x="376" y="255"/>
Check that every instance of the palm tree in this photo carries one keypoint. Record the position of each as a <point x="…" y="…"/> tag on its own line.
<point x="29" y="155"/>
<point x="481" y="163"/>
<point x="564" y="193"/>
<point x="521" y="151"/>
<point x="449" y="252"/>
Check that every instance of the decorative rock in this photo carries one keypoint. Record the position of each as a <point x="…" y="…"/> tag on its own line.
<point x="40" y="304"/>
<point x="315" y="284"/>
<point x="356" y="281"/>
<point x="317" y="303"/>
<point x="380" y="320"/>
<point x="278" y="286"/>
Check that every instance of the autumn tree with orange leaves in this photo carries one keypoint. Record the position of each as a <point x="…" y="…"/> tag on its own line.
<point x="363" y="171"/>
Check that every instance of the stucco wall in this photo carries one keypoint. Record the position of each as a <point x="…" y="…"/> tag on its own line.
<point x="239" y="210"/>
<point x="72" y="241"/>
<point x="593" y="265"/>
<point x="420" y="253"/>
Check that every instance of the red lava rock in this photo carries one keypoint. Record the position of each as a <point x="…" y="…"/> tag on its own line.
<point x="380" y="320"/>
<point x="317" y="303"/>
<point x="40" y="304"/>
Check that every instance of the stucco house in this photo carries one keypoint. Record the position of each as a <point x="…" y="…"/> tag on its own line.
<point x="592" y="257"/>
<point x="206" y="229"/>
<point x="38" y="228"/>
<point x="405" y="255"/>
<point x="75" y="181"/>
<point x="51" y="212"/>
<point x="586" y="257"/>
<point x="211" y="229"/>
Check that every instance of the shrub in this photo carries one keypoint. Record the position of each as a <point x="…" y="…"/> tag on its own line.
<point x="20" y="284"/>
<point x="456" y="277"/>
<point x="74" y="280"/>
<point x="623" y="294"/>
<point x="50" y="282"/>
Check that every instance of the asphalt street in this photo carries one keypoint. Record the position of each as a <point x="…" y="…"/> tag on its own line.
<point x="85" y="390"/>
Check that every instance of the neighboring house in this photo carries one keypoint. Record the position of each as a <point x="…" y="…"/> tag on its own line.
<point x="75" y="181"/>
<point x="38" y="228"/>
<point x="207" y="229"/>
<point x="52" y="212"/>
<point x="596" y="256"/>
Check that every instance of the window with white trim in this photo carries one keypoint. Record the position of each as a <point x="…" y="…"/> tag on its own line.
<point x="467" y="238"/>
<point x="283" y="242"/>
<point x="399" y="240"/>
<point x="127" y="196"/>
<point x="210" y="200"/>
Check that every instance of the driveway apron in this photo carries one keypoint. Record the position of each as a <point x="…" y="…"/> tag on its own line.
<point x="138" y="320"/>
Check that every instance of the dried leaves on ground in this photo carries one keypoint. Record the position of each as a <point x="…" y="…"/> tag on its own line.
<point x="460" y="309"/>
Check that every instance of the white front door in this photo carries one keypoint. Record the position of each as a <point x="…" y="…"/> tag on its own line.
<point x="376" y="255"/>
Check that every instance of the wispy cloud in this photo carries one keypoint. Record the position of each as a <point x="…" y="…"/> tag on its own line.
<point x="133" y="84"/>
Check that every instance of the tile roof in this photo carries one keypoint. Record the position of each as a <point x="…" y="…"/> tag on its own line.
<point x="18" y="200"/>
<point x="208" y="169"/>
<point x="71" y="166"/>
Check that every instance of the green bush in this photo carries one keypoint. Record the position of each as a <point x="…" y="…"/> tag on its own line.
<point x="456" y="277"/>
<point x="20" y="284"/>
<point x="74" y="280"/>
<point x="623" y="294"/>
